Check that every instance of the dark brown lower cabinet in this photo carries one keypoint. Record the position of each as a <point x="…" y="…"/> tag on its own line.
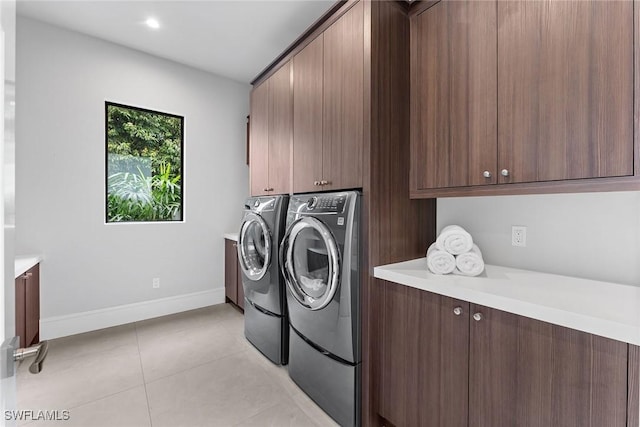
<point x="425" y="358"/>
<point x="234" y="292"/>
<point x="240" y="290"/>
<point x="525" y="372"/>
<point x="28" y="306"/>
<point x="451" y="363"/>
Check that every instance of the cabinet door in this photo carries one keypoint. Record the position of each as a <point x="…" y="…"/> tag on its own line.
<point x="280" y="128"/>
<point x="20" y="309"/>
<point x="454" y="95"/>
<point x="307" y="117"/>
<point x="231" y="271"/>
<point x="343" y="104"/>
<point x="32" y="306"/>
<point x="239" y="285"/>
<point x="524" y="372"/>
<point x="259" y="150"/>
<point x="425" y="359"/>
<point x="565" y="73"/>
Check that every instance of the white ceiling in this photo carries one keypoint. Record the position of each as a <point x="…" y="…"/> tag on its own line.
<point x="234" y="38"/>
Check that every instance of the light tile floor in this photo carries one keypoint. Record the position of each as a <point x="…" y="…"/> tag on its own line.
<point x="188" y="369"/>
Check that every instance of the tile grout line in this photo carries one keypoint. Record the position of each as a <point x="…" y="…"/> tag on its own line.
<point x="290" y="396"/>
<point x="82" y="403"/>
<point x="144" y="380"/>
<point x="224" y="330"/>
<point x="195" y="366"/>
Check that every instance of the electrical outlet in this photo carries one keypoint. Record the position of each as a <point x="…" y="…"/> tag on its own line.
<point x="156" y="282"/>
<point x="518" y="235"/>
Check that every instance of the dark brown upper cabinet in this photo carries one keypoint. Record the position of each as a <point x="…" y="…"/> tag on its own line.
<point x="259" y="152"/>
<point x="565" y="94"/>
<point x="328" y="108"/>
<point x="454" y="95"/>
<point x="307" y="116"/>
<point x="538" y="95"/>
<point x="271" y="132"/>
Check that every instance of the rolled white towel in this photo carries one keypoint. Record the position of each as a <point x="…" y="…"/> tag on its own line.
<point x="440" y="262"/>
<point x="455" y="240"/>
<point x="470" y="263"/>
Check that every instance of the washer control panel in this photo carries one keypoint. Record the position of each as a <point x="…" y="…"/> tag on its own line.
<point x="261" y="204"/>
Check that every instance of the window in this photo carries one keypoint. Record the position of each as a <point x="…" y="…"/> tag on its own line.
<point x="144" y="166"/>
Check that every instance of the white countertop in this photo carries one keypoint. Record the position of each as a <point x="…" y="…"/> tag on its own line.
<point x="25" y="262"/>
<point x="607" y="309"/>
<point x="231" y="236"/>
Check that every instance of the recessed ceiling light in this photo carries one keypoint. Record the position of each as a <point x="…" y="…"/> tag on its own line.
<point x="152" y="23"/>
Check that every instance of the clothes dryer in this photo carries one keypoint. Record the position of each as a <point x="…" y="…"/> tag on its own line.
<point x="265" y="308"/>
<point x="320" y="259"/>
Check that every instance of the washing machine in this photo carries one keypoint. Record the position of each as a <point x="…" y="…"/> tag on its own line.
<point x="320" y="260"/>
<point x="265" y="308"/>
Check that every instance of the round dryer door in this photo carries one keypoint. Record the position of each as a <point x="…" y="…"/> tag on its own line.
<point x="310" y="263"/>
<point x="254" y="247"/>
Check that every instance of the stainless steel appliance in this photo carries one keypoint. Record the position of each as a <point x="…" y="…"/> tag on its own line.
<point x="265" y="309"/>
<point x="320" y="259"/>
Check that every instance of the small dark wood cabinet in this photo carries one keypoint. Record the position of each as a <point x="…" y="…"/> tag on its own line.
<point x="259" y="140"/>
<point x="454" y="95"/>
<point x="271" y="132"/>
<point x="28" y="306"/>
<point x="233" y="290"/>
<point x="307" y="116"/>
<point x="532" y="373"/>
<point x="565" y="92"/>
<point x="450" y="363"/>
<point x="343" y="101"/>
<point x="424" y="376"/>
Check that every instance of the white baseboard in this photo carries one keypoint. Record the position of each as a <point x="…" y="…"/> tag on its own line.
<point x="71" y="324"/>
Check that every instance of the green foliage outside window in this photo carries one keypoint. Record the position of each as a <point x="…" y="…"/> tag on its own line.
<point x="144" y="165"/>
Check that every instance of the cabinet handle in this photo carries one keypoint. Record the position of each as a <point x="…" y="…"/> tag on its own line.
<point x="268" y="189"/>
<point x="505" y="172"/>
<point x="316" y="182"/>
<point x="27" y="275"/>
<point x="235" y="245"/>
<point x="457" y="311"/>
<point x="325" y="183"/>
<point x="477" y="317"/>
<point x="486" y="174"/>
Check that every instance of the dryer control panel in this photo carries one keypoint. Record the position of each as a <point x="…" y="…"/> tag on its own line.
<point x="326" y="204"/>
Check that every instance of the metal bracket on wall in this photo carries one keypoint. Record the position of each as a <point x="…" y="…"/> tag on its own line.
<point x="7" y="368"/>
<point x="39" y="351"/>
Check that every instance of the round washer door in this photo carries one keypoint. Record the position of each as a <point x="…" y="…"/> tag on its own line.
<point x="254" y="247"/>
<point x="310" y="262"/>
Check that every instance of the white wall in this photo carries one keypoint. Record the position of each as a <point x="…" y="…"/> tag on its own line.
<point x="7" y="173"/>
<point x="591" y="235"/>
<point x="63" y="80"/>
